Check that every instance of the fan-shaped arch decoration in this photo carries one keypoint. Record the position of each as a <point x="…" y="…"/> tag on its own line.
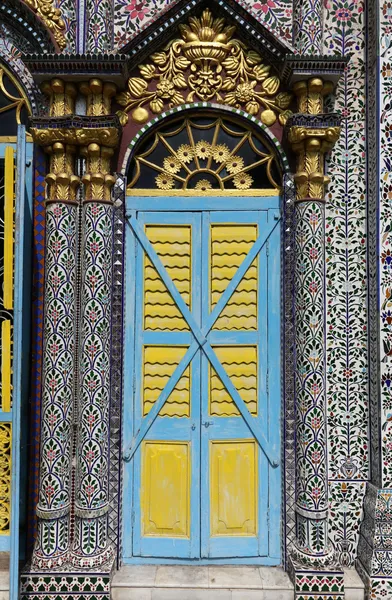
<point x="206" y="63"/>
<point x="14" y="105"/>
<point x="204" y="155"/>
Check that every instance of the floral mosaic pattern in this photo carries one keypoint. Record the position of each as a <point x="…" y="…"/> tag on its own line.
<point x="346" y="512"/>
<point x="308" y="26"/>
<point x="68" y="14"/>
<point x="347" y="376"/>
<point x="311" y="483"/>
<point x="93" y="438"/>
<point x="385" y="249"/>
<point x="100" y="26"/>
<point x="132" y="16"/>
<point x="57" y="390"/>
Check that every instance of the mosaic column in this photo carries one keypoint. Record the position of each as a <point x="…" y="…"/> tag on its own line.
<point x="374" y="557"/>
<point x="311" y="138"/>
<point x="91" y="544"/>
<point x="308" y="26"/>
<point x="52" y="543"/>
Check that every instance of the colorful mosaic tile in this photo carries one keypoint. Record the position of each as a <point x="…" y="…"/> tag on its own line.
<point x="37" y="337"/>
<point x="346" y="512"/>
<point x="68" y="13"/>
<point x="317" y="585"/>
<point x="132" y="16"/>
<point x="347" y="376"/>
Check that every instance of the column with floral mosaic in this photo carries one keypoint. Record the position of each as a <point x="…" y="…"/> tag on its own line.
<point x="374" y="560"/>
<point x="52" y="543"/>
<point x="308" y="26"/>
<point x="91" y="546"/>
<point x="312" y="555"/>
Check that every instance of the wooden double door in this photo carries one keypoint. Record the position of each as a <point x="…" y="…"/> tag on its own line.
<point x="202" y="380"/>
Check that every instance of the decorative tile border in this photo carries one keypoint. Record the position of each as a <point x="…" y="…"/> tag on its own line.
<point x="37" y="338"/>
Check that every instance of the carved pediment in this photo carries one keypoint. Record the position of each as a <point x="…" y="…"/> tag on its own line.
<point x="205" y="61"/>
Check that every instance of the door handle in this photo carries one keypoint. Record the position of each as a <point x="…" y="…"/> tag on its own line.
<point x="208" y="423"/>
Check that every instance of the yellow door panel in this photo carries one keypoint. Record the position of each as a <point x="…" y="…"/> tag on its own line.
<point x="229" y="246"/>
<point x="165" y="489"/>
<point x="159" y="364"/>
<point x="172" y="243"/>
<point x="233" y="488"/>
<point x="240" y="363"/>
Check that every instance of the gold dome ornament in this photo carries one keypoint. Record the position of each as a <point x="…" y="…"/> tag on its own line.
<point x="208" y="64"/>
<point x="140" y="115"/>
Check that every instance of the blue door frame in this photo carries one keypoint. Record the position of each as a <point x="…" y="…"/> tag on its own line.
<point x="200" y="213"/>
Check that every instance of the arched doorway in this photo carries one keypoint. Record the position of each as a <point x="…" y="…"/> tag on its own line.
<point x="202" y="345"/>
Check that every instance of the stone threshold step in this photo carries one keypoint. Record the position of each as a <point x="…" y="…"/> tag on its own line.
<point x="180" y="582"/>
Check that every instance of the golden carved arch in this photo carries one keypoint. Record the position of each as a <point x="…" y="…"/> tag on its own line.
<point x="207" y="63"/>
<point x="51" y="17"/>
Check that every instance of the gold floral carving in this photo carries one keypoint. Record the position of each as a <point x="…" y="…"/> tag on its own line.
<point x="310" y="145"/>
<point x="51" y="17"/>
<point x="61" y="97"/>
<point x="5" y="476"/>
<point x="207" y="64"/>
<point x="97" y="180"/>
<point x="61" y="180"/>
<point x="99" y="97"/>
<point x="108" y="136"/>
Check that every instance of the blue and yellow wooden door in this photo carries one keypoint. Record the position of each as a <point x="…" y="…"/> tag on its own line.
<point x="202" y="357"/>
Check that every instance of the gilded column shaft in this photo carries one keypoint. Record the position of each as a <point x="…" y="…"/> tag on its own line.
<point x="310" y="142"/>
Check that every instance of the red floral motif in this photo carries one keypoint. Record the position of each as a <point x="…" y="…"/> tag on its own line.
<point x="137" y="9"/>
<point x="265" y="6"/>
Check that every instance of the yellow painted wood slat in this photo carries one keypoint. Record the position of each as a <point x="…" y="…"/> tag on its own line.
<point x="9" y="201"/>
<point x="6" y="365"/>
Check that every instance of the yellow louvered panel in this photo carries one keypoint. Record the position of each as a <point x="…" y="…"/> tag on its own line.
<point x="6" y="361"/>
<point x="173" y="245"/>
<point x="158" y="366"/>
<point x="240" y="364"/>
<point x="229" y="246"/>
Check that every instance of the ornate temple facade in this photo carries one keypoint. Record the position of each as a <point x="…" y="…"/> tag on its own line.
<point x="196" y="306"/>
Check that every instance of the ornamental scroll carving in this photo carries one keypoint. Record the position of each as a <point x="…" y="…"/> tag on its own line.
<point x="51" y="16"/>
<point x="207" y="65"/>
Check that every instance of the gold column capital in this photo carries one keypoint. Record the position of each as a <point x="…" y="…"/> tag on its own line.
<point x="61" y="180"/>
<point x="99" y="96"/>
<point x="310" y="95"/>
<point x="310" y="139"/>
<point x="97" y="180"/>
<point x="61" y="97"/>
